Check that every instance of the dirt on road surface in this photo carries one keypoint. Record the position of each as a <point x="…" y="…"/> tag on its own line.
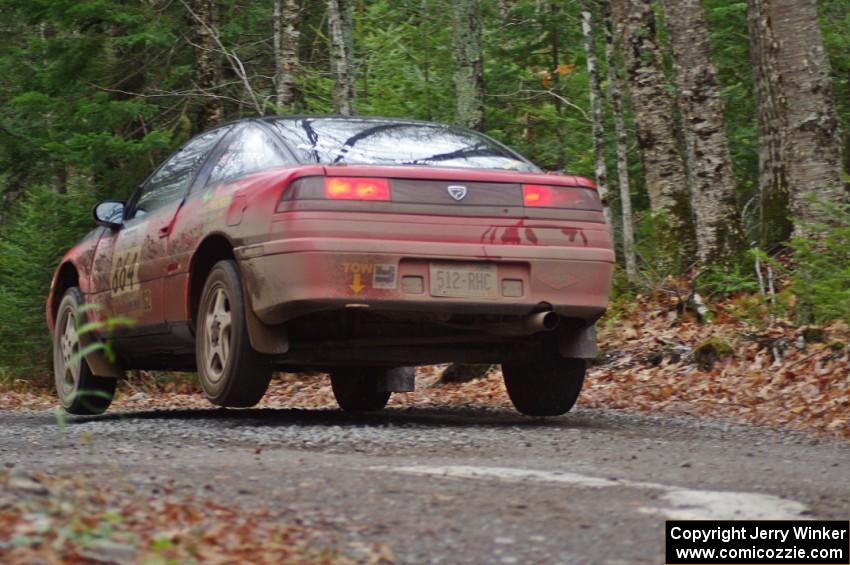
<point x="452" y="485"/>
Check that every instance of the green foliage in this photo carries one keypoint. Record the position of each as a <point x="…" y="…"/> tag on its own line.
<point x="730" y="48"/>
<point x="725" y="280"/>
<point x="405" y="60"/>
<point x="822" y="276"/>
<point x="835" y="26"/>
<point x="624" y="290"/>
<point x="622" y="299"/>
<point x="660" y="256"/>
<point x="749" y="308"/>
<point x="44" y="226"/>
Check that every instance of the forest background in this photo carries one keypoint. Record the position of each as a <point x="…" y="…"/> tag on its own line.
<point x="718" y="131"/>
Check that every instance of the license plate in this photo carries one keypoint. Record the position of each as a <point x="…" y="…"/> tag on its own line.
<point x="459" y="280"/>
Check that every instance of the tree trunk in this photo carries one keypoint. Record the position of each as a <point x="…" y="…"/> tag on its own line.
<point x="615" y="99"/>
<point x="718" y="229"/>
<point x="847" y="136"/>
<point x="341" y="25"/>
<point x="600" y="169"/>
<point x="652" y="105"/>
<point x="505" y="7"/>
<point x="774" y="223"/>
<point x="287" y="17"/>
<point x="812" y="146"/>
<point x="555" y="53"/>
<point x="468" y="63"/>
<point x="210" y="110"/>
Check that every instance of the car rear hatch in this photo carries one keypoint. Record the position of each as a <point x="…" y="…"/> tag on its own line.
<point x="445" y="192"/>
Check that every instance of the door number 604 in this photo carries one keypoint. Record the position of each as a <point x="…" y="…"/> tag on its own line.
<point x="125" y="272"/>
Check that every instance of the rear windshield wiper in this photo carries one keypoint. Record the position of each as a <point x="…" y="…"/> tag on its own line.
<point x="349" y="143"/>
<point x="313" y="137"/>
<point x="475" y="150"/>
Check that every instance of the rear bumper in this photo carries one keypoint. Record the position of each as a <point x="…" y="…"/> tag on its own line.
<point x="288" y="278"/>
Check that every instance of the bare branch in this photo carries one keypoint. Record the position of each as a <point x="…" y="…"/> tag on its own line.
<point x="232" y="58"/>
<point x="538" y="93"/>
<point x="172" y="94"/>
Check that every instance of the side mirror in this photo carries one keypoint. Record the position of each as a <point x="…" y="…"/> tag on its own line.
<point x="109" y="214"/>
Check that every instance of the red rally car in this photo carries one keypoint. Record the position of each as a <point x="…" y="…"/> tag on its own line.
<point x="359" y="247"/>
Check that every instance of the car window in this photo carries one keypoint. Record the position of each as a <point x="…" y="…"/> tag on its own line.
<point x="172" y="179"/>
<point x="385" y="142"/>
<point x="249" y="150"/>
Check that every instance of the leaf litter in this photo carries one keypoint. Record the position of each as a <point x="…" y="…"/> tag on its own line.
<point x="87" y="520"/>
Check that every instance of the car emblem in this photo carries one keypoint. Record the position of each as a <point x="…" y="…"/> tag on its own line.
<point x="457" y="191"/>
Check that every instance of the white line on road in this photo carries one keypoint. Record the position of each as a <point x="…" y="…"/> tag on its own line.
<point x="681" y="503"/>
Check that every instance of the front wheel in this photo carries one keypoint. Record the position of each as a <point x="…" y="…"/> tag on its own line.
<point x="357" y="390"/>
<point x="544" y="388"/>
<point x="80" y="391"/>
<point x="231" y="372"/>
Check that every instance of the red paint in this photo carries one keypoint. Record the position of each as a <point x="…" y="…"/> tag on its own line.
<point x="289" y="259"/>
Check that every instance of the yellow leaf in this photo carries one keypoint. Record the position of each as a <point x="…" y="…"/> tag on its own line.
<point x="565" y="69"/>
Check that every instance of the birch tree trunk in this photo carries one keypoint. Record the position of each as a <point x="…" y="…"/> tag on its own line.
<point x="718" y="229"/>
<point x="652" y="105"/>
<point x="468" y="63"/>
<point x="287" y="17"/>
<point x="505" y="7"/>
<point x="469" y="113"/>
<point x="210" y="110"/>
<point x="812" y="145"/>
<point x="341" y="26"/>
<point x="600" y="169"/>
<point x="615" y="99"/>
<point x="773" y="194"/>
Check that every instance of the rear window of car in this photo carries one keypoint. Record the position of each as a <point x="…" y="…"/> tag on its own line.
<point x="332" y="141"/>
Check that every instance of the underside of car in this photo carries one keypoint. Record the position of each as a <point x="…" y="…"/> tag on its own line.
<point x="357" y="336"/>
<point x="419" y="338"/>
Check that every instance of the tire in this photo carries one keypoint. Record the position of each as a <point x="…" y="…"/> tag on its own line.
<point x="544" y="388"/>
<point x="356" y="390"/>
<point x="79" y="390"/>
<point x="230" y="371"/>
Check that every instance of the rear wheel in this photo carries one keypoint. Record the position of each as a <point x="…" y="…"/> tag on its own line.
<point x="356" y="389"/>
<point x="230" y="371"/>
<point x="79" y="390"/>
<point x="547" y="387"/>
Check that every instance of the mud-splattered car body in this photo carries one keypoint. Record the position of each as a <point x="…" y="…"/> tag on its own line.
<point x="349" y="259"/>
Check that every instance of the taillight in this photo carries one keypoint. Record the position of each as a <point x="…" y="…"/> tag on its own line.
<point x="542" y="196"/>
<point x="534" y="195"/>
<point x="356" y="188"/>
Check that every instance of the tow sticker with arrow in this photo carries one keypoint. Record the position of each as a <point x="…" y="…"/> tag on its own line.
<point x="381" y="276"/>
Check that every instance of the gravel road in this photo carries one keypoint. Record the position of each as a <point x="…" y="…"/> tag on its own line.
<point x="454" y="485"/>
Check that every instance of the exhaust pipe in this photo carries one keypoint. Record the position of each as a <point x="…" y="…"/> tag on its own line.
<point x="530" y="325"/>
<point x="541" y="322"/>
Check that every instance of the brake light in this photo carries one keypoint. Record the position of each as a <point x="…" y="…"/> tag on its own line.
<point x="542" y="196"/>
<point x="356" y="188"/>
<point x="533" y="195"/>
